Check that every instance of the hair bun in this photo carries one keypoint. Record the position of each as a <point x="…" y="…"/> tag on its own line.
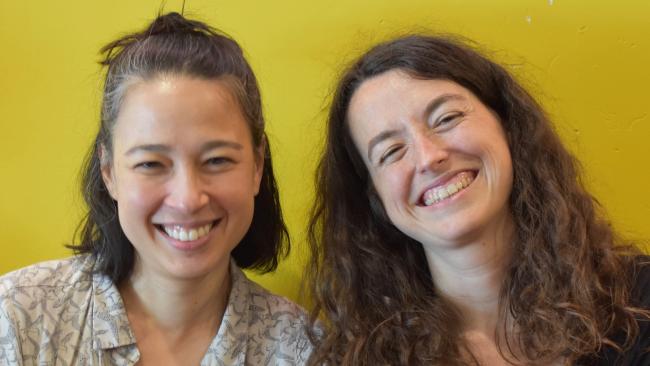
<point x="173" y="23"/>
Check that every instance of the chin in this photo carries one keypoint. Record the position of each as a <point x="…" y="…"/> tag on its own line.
<point x="195" y="267"/>
<point x="448" y="236"/>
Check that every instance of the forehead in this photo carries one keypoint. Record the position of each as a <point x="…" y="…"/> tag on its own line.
<point x="393" y="98"/>
<point x="169" y="108"/>
<point x="383" y="93"/>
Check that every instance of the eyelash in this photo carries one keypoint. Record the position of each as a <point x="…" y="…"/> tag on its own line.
<point x="447" y="118"/>
<point x="153" y="165"/>
<point x="218" y="160"/>
<point x="148" y="165"/>
<point x="388" y="153"/>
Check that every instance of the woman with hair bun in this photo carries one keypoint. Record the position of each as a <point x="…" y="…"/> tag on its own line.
<point x="181" y="195"/>
<point x="451" y="226"/>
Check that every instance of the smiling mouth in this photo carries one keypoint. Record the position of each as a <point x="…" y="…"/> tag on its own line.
<point x="449" y="189"/>
<point x="183" y="233"/>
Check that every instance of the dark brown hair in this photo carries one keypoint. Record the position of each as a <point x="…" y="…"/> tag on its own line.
<point x="567" y="288"/>
<point x="172" y="44"/>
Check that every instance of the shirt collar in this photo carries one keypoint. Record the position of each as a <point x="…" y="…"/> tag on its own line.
<point x="110" y="325"/>
<point x="231" y="342"/>
<point x="111" y="328"/>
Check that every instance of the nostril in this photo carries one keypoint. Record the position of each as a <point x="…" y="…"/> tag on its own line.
<point x="187" y="198"/>
<point x="432" y="160"/>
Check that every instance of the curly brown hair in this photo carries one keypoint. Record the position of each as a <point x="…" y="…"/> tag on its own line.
<point x="567" y="288"/>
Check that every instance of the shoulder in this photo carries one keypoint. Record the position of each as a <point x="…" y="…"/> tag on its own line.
<point x="274" y="310"/>
<point x="638" y="353"/>
<point x="55" y="273"/>
<point x="641" y="281"/>
<point x="42" y="305"/>
<point x="46" y="285"/>
<point x="641" y="298"/>
<point x="277" y="325"/>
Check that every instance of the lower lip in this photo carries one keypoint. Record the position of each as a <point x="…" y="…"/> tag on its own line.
<point x="191" y="245"/>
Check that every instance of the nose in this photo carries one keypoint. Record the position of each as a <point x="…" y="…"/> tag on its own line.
<point x="187" y="192"/>
<point x="430" y="152"/>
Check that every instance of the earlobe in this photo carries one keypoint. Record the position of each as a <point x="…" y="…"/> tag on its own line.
<point x="107" y="172"/>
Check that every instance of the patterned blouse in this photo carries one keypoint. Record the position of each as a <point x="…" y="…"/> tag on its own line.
<point x="64" y="313"/>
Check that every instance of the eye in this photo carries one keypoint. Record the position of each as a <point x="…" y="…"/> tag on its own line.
<point x="391" y="154"/>
<point x="448" y="120"/>
<point x="218" y="162"/>
<point x="148" y="165"/>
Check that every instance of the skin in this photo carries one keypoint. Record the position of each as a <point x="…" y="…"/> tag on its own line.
<point x="416" y="134"/>
<point x="182" y="155"/>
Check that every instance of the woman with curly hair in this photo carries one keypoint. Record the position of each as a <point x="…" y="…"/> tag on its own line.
<point x="451" y="226"/>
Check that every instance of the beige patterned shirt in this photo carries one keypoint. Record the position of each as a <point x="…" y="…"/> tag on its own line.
<point x="62" y="313"/>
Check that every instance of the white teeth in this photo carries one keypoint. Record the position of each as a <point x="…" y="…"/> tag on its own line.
<point x="452" y="189"/>
<point x="438" y="194"/>
<point x="193" y="234"/>
<point x="183" y="234"/>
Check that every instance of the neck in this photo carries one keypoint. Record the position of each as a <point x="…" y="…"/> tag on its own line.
<point x="176" y="305"/>
<point x="470" y="277"/>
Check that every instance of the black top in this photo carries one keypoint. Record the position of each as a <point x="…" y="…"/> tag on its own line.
<point x="639" y="353"/>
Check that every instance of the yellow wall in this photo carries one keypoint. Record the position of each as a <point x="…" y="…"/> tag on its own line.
<point x="587" y="60"/>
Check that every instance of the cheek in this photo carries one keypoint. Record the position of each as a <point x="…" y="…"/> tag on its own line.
<point x="392" y="186"/>
<point x="497" y="161"/>
<point x="235" y="199"/>
<point x="235" y="192"/>
<point x="486" y="145"/>
<point x="507" y="176"/>
<point x="137" y="197"/>
<point x="506" y="163"/>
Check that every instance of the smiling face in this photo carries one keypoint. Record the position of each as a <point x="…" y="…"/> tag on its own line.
<point x="438" y="158"/>
<point x="184" y="174"/>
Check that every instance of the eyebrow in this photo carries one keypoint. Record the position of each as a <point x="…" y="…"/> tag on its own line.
<point x="379" y="138"/>
<point x="439" y="101"/>
<point x="162" y="148"/>
<point x="430" y="108"/>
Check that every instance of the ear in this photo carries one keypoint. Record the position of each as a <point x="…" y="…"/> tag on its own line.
<point x="107" y="171"/>
<point x="260" y="155"/>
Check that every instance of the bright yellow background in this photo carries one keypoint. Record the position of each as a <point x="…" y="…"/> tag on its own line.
<point x="588" y="61"/>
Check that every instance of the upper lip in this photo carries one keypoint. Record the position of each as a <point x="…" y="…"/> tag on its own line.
<point x="440" y="181"/>
<point x="187" y="224"/>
